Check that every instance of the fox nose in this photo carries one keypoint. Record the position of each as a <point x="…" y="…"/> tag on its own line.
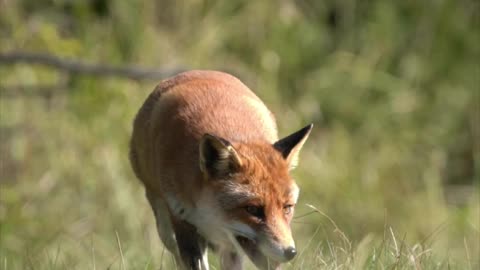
<point x="290" y="252"/>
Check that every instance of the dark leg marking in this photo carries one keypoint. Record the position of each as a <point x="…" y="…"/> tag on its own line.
<point x="191" y="245"/>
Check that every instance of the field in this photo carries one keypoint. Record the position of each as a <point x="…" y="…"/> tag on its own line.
<point x="390" y="177"/>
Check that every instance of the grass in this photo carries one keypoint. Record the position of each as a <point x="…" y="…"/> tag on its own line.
<point x="389" y="177"/>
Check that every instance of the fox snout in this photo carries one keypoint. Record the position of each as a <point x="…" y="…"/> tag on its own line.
<point x="279" y="249"/>
<point x="283" y="254"/>
<point x="289" y="253"/>
<point x="266" y="252"/>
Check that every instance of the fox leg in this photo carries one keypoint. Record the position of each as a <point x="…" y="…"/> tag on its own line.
<point x="192" y="246"/>
<point x="179" y="237"/>
<point x="164" y="224"/>
<point x="231" y="259"/>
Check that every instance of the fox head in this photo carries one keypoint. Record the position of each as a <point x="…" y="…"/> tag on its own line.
<point x="255" y="192"/>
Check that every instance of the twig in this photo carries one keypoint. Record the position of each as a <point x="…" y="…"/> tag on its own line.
<point x="397" y="252"/>
<point x="306" y="214"/>
<point x="94" y="266"/>
<point x="41" y="90"/>
<point x="468" y="252"/>
<point x="121" y="251"/>
<point x="161" y="258"/>
<point x="76" y="67"/>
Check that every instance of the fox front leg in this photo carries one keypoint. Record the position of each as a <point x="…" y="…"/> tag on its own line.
<point x="231" y="260"/>
<point x="191" y="246"/>
<point x="164" y="223"/>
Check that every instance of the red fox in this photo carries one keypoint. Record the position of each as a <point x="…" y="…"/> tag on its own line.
<point x="215" y="173"/>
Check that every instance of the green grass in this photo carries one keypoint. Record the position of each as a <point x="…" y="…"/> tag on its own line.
<point x="390" y="177"/>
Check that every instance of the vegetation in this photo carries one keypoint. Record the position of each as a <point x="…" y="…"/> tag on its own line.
<point x="390" y="176"/>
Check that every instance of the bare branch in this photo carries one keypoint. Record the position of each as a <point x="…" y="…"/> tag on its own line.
<point x="42" y="90"/>
<point x="76" y="67"/>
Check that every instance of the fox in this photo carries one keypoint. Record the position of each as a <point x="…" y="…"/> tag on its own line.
<point x="216" y="175"/>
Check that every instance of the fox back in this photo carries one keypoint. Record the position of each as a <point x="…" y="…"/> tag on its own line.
<point x="207" y="151"/>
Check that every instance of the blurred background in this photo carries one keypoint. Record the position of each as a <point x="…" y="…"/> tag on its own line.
<point x="389" y="176"/>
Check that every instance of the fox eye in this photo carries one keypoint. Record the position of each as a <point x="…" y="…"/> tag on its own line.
<point x="254" y="210"/>
<point x="287" y="209"/>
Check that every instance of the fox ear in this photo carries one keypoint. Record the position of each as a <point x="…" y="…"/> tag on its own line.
<point x="217" y="156"/>
<point x="290" y="146"/>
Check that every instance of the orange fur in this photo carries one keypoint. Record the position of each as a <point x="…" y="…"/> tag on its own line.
<point x="167" y="133"/>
